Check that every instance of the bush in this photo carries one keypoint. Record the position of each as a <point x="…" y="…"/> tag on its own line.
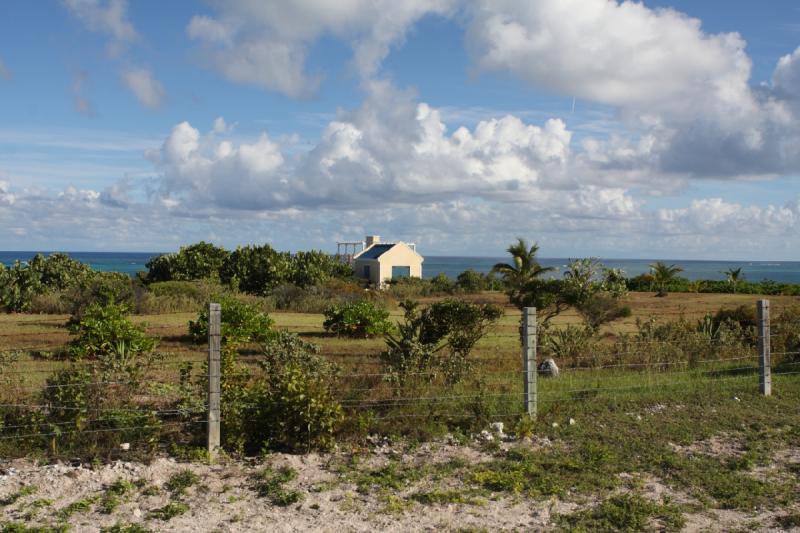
<point x="256" y="269"/>
<point x="108" y="382"/>
<point x="22" y="282"/>
<point x="103" y="330"/>
<point x="197" y="261"/>
<point x="453" y="324"/>
<point x="574" y="344"/>
<point x="470" y="281"/>
<point x="600" y="309"/>
<point x="357" y="319"/>
<point x="406" y="288"/>
<point x="290" y="405"/>
<point x="316" y="267"/>
<point x="298" y="408"/>
<point x="240" y="322"/>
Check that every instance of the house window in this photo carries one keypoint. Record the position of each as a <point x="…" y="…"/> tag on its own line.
<point x="401" y="272"/>
<point x="366" y="272"/>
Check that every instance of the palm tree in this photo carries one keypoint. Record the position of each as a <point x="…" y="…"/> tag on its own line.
<point x="523" y="268"/>
<point x="662" y="275"/>
<point x="734" y="276"/>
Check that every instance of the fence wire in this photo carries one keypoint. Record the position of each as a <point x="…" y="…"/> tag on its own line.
<point x="614" y="367"/>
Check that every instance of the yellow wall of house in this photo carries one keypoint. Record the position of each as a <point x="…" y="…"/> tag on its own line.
<point x="381" y="268"/>
<point x="400" y="255"/>
<point x="374" y="270"/>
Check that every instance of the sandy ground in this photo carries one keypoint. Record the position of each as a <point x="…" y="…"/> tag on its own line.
<point x="224" y="498"/>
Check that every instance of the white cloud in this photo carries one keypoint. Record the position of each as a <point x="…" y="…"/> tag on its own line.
<point x="144" y="86"/>
<point x="786" y="78"/>
<point x="266" y="43"/>
<point x="685" y="95"/>
<point x="392" y="150"/>
<point x="5" y="195"/>
<point x="109" y="17"/>
<point x="623" y="54"/>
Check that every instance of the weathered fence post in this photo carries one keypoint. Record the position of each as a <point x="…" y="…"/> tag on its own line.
<point x="764" y="352"/>
<point x="214" y="321"/>
<point x="529" y="360"/>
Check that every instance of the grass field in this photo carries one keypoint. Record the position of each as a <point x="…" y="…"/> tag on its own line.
<point x="497" y="356"/>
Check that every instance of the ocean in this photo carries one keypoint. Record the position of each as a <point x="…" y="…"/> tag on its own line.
<point x="779" y="271"/>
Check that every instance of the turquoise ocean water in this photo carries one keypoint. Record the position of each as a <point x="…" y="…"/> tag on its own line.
<point x="780" y="271"/>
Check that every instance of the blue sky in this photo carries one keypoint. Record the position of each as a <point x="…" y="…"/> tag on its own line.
<point x="662" y="129"/>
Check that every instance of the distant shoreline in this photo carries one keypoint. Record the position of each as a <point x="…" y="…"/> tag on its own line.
<point x="694" y="269"/>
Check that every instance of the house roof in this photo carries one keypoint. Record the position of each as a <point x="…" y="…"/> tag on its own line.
<point x="375" y="251"/>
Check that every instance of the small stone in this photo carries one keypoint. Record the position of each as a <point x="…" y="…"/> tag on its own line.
<point x="555" y="424"/>
<point x="137" y="513"/>
<point x="125" y="446"/>
<point x="737" y="399"/>
<point x="571" y="421"/>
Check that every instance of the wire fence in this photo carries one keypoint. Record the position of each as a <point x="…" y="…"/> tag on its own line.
<point x="513" y="372"/>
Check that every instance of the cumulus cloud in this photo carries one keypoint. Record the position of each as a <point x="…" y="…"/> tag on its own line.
<point x="391" y="150"/>
<point x="144" y="86"/>
<point x="786" y="78"/>
<point x="623" y="54"/>
<point x="266" y="43"/>
<point x="685" y="95"/>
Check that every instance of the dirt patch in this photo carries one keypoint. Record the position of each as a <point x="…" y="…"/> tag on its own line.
<point x="717" y="446"/>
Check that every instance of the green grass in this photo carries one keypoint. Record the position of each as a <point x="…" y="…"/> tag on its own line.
<point x="169" y="511"/>
<point x="625" y="513"/>
<point x="84" y="505"/>
<point x="788" y="521"/>
<point x="22" y="492"/>
<point x="270" y="484"/>
<point x="444" y="497"/>
<point x="180" y="481"/>
<point x="18" y="527"/>
<point x="121" y="527"/>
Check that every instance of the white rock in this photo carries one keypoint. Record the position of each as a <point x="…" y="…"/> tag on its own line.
<point x="125" y="446"/>
<point x="571" y="421"/>
<point x="555" y="424"/>
<point x="548" y="367"/>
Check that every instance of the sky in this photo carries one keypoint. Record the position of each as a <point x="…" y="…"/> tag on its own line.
<point x="662" y="129"/>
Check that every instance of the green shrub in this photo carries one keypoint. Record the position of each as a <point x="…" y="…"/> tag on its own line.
<point x="316" y="267"/>
<point x="569" y="343"/>
<point x="240" y="322"/>
<point x="289" y="405"/>
<point x="357" y="319"/>
<point x="103" y="329"/>
<point x="197" y="261"/>
<point x="297" y="406"/>
<point x="453" y="324"/>
<point x="471" y="281"/>
<point x="256" y="269"/>
<point x="21" y="282"/>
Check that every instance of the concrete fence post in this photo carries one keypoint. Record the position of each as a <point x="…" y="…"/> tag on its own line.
<point x="529" y="360"/>
<point x="214" y="327"/>
<point x="764" y="348"/>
